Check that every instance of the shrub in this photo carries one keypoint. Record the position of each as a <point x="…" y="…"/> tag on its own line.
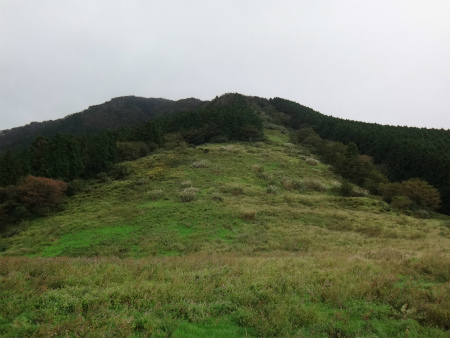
<point x="312" y="161"/>
<point x="103" y="178"/>
<point x="232" y="189"/>
<point x="272" y="189"/>
<point x="129" y="151"/>
<point x="299" y="185"/>
<point x="316" y="185"/>
<point x="155" y="194"/>
<point x="421" y="193"/>
<point x="422" y="213"/>
<point x="248" y="214"/>
<point x="121" y="170"/>
<point x="188" y="194"/>
<point x="41" y="194"/>
<point x="259" y="145"/>
<point x="201" y="164"/>
<point x="257" y="168"/>
<point x="217" y="197"/>
<point x="346" y="189"/>
<point x="237" y="191"/>
<point x="287" y="183"/>
<point x="388" y="191"/>
<point x="401" y="202"/>
<point x="11" y="208"/>
<point x="186" y="184"/>
<point x="76" y="186"/>
<point x="264" y="175"/>
<point x="142" y="181"/>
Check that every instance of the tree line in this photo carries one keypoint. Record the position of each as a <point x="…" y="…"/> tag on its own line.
<point x="401" y="153"/>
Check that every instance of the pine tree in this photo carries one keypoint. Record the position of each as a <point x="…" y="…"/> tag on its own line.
<point x="8" y="170"/>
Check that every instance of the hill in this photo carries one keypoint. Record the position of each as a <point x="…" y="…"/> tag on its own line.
<point x="119" y="112"/>
<point x="399" y="153"/>
<point x="226" y="240"/>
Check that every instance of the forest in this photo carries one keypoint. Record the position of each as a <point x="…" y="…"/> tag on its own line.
<point x="401" y="153"/>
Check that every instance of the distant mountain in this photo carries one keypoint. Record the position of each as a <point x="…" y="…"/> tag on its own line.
<point x="118" y="112"/>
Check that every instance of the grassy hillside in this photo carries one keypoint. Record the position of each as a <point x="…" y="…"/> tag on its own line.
<point x="221" y="241"/>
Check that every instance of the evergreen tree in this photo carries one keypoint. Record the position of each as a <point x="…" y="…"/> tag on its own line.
<point x="8" y="172"/>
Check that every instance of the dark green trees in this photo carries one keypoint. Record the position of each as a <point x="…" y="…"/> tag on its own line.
<point x="8" y="169"/>
<point x="404" y="152"/>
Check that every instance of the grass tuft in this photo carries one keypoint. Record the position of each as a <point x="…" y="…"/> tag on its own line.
<point x="201" y="164"/>
<point x="188" y="194"/>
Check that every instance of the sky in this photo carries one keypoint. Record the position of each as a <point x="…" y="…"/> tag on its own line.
<point x="382" y="61"/>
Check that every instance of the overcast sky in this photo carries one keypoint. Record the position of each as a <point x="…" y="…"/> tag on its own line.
<point x="377" y="61"/>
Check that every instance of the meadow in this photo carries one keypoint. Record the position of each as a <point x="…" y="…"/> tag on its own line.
<point x="226" y="240"/>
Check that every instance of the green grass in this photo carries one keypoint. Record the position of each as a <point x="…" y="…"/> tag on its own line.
<point x="130" y="258"/>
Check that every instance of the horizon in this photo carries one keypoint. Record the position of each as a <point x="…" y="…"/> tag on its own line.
<point x="206" y="100"/>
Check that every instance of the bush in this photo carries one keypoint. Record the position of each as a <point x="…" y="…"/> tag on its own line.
<point x="201" y="164"/>
<point x="103" y="178"/>
<point x="263" y="175"/>
<point x="237" y="191"/>
<point x="312" y="161"/>
<point x="41" y="194"/>
<point x="248" y="214"/>
<point x="401" y="202"/>
<point x="346" y="189"/>
<point x="272" y="189"/>
<point x="217" y="197"/>
<point x="142" y="181"/>
<point x="420" y="193"/>
<point x="76" y="186"/>
<point x="257" y="168"/>
<point x="316" y="185"/>
<point x="389" y="191"/>
<point x="188" y="194"/>
<point x="186" y="184"/>
<point x="155" y="194"/>
<point x="121" y="170"/>
<point x="129" y="151"/>
<point x="11" y="208"/>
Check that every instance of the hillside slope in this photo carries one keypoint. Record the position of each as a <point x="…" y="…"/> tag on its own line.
<point x="400" y="153"/>
<point x="226" y="240"/>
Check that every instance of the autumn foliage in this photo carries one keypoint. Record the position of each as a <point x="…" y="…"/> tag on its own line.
<point x="411" y="193"/>
<point x="41" y="194"/>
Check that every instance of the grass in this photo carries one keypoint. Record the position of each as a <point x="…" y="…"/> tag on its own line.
<point x="265" y="248"/>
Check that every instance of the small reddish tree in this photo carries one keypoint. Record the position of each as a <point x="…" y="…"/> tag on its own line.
<point x="41" y="194"/>
<point x="418" y="192"/>
<point x="421" y="193"/>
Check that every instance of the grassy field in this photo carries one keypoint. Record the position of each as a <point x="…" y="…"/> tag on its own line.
<point x="226" y="240"/>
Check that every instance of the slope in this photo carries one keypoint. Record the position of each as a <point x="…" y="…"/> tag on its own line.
<point x="226" y="240"/>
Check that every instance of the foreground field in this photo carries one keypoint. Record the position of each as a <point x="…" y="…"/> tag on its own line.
<point x="226" y="240"/>
<point x="224" y="295"/>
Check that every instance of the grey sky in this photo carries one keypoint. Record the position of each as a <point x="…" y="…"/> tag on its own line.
<point x="377" y="61"/>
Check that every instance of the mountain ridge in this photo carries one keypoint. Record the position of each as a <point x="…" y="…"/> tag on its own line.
<point x="122" y="111"/>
